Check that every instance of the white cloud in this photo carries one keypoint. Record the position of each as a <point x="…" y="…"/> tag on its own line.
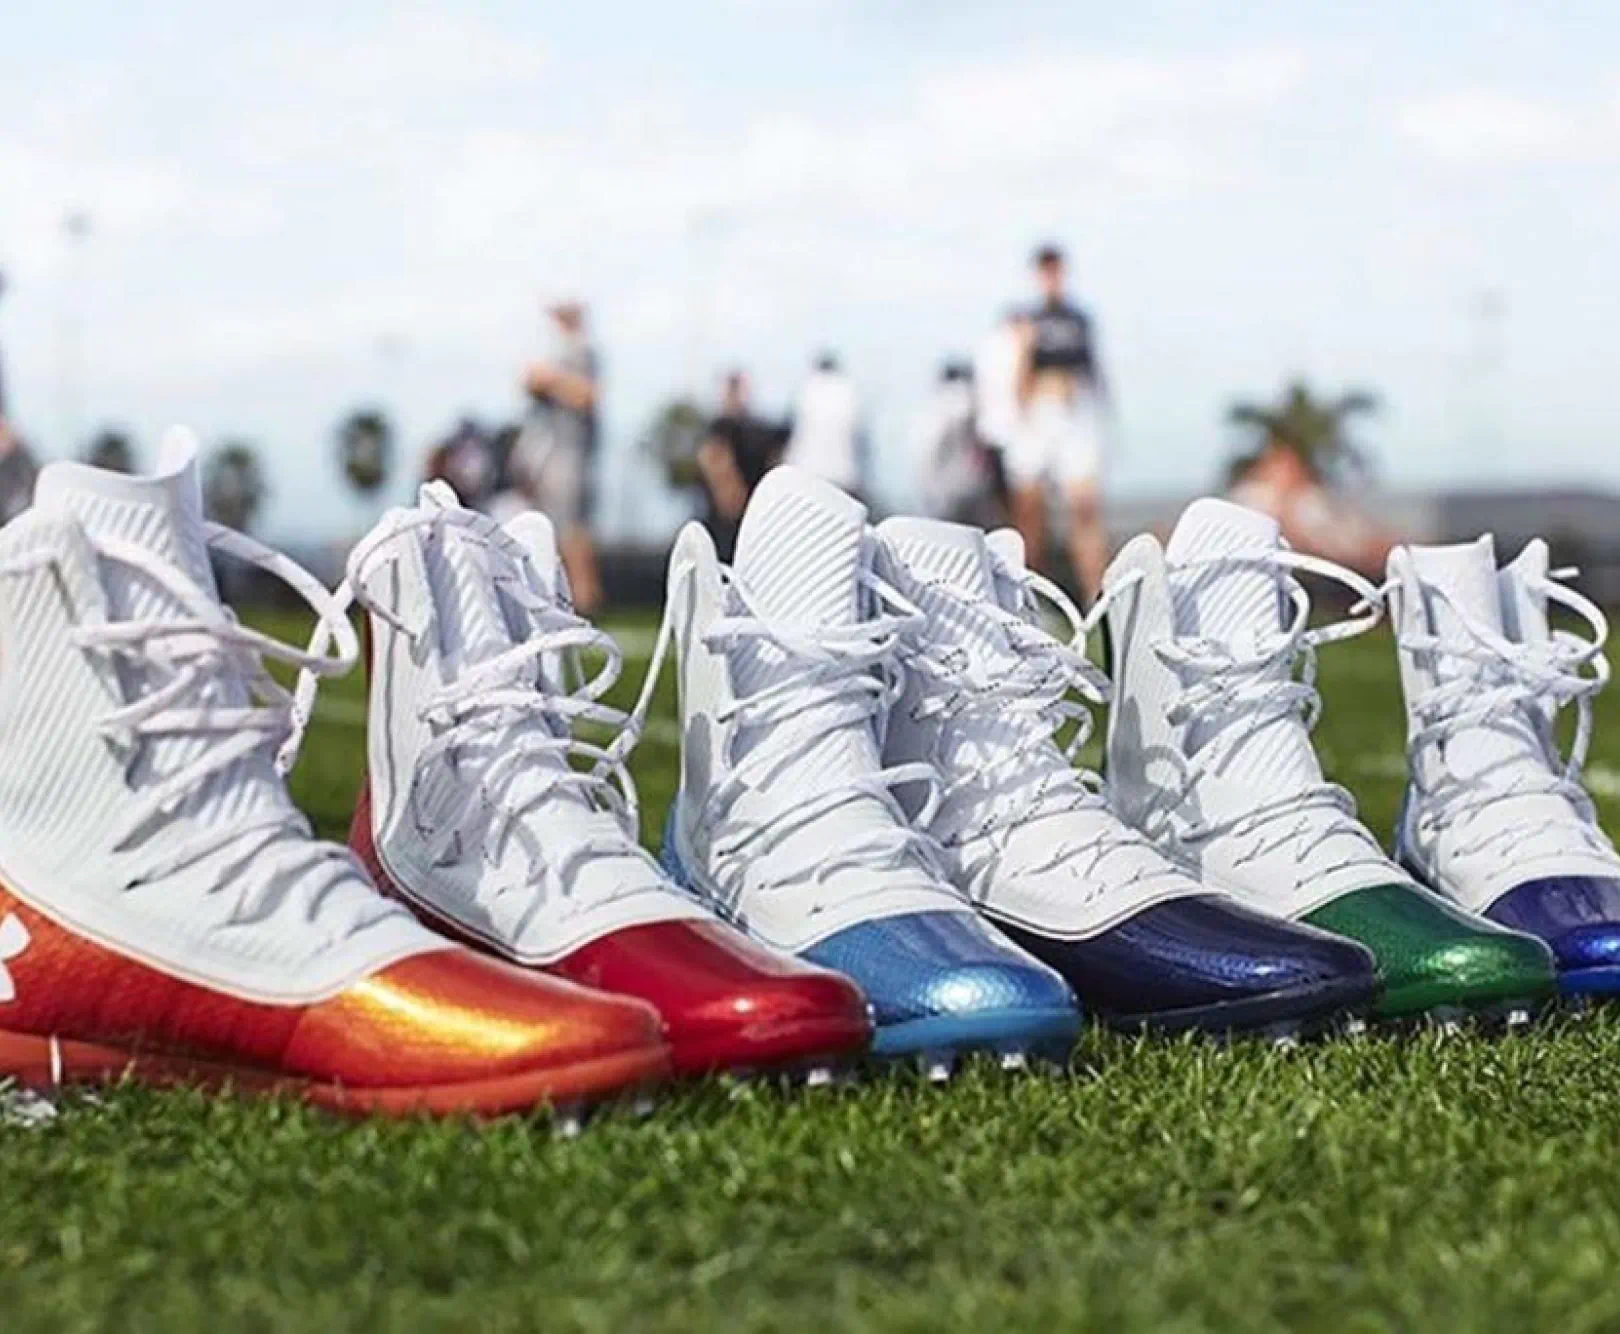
<point x="1482" y="128"/>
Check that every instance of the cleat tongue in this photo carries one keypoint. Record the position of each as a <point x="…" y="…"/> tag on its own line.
<point x="1466" y="574"/>
<point x="1232" y="605"/>
<point x="488" y="599"/>
<point x="1239" y="606"/>
<point x="945" y="553"/>
<point x="800" y="550"/>
<point x="1505" y="751"/>
<point x="535" y="534"/>
<point x="162" y="513"/>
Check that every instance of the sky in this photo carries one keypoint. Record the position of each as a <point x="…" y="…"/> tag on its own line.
<point x="298" y="208"/>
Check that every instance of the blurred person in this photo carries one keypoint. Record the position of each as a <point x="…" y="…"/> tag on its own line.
<point x="555" y="458"/>
<point x="738" y="449"/>
<point x="1057" y="445"/>
<point x="996" y="363"/>
<point x="963" y="479"/>
<point x="1279" y="481"/>
<point x="17" y="465"/>
<point x="826" y="438"/>
<point x="462" y="460"/>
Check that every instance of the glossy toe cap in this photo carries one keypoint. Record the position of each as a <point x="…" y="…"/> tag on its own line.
<point x="1194" y="953"/>
<point x="939" y="964"/>
<point x="1577" y="915"/>
<point x="1433" y="954"/>
<point x="451" y="1016"/>
<point x="725" y="999"/>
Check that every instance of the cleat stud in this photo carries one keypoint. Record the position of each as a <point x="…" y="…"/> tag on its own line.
<point x="1014" y="1060"/>
<point x="938" y="1069"/>
<point x="820" y="1076"/>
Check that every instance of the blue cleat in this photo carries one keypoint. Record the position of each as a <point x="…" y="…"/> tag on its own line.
<point x="942" y="982"/>
<point x="1032" y="842"/>
<point x="789" y="823"/>
<point x="1206" y="963"/>
<point x="1578" y="916"/>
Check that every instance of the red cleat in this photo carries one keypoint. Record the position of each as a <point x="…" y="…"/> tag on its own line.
<point x="165" y="914"/>
<point x="474" y="816"/>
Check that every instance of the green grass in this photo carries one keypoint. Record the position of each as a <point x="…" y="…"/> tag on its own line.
<point x="1381" y="1183"/>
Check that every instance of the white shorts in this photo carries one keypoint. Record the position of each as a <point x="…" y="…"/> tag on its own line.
<point x="1057" y="442"/>
<point x="556" y="471"/>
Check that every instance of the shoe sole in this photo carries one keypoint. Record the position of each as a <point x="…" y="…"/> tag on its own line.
<point x="1507" y="1015"/>
<point x="1286" y="1015"/>
<point x="798" y="1044"/>
<point x="1007" y="1033"/>
<point x="1590" y="983"/>
<point x="45" y="1064"/>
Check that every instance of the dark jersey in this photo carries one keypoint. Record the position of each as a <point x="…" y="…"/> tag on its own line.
<point x="755" y="445"/>
<point x="1063" y="340"/>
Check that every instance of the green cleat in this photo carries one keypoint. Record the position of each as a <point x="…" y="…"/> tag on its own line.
<point x="1438" y="958"/>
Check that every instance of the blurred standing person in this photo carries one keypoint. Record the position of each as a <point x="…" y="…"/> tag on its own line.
<point x="738" y="449"/>
<point x="996" y="363"/>
<point x="17" y="466"/>
<point x="462" y="461"/>
<point x="962" y="476"/>
<point x="556" y="456"/>
<point x="1058" y="444"/>
<point x="826" y="437"/>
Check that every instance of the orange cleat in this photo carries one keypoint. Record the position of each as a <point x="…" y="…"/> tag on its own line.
<point x="165" y="913"/>
<point x="444" y="1032"/>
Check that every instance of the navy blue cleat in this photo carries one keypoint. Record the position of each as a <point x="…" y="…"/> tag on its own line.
<point x="1578" y="916"/>
<point x="942" y="983"/>
<point x="1205" y="963"/>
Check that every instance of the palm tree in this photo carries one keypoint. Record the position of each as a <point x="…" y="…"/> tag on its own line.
<point x="365" y="440"/>
<point x="112" y="451"/>
<point x="233" y="485"/>
<point x="1317" y="430"/>
<point x="672" y="441"/>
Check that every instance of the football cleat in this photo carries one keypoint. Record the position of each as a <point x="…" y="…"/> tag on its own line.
<point x="1209" y="754"/>
<point x="1495" y="818"/>
<point x="786" y="819"/>
<point x="1028" y="838"/>
<point x="165" y="913"/>
<point x="475" y="815"/>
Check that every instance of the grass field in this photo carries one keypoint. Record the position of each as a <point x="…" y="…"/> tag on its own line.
<point x="1377" y="1183"/>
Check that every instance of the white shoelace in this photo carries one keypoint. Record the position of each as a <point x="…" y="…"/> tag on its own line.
<point x="1231" y="695"/>
<point x="270" y="863"/>
<point x="834" y="678"/>
<point x="1036" y="776"/>
<point x="501" y="714"/>
<point x="1518" y="690"/>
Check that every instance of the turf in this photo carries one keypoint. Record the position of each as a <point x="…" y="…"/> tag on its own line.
<point x="1376" y="1183"/>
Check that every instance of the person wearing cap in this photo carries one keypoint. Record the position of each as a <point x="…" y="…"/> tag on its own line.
<point x="1056" y="446"/>
<point x="554" y="460"/>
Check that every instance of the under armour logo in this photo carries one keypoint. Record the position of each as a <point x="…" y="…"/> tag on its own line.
<point x="14" y="939"/>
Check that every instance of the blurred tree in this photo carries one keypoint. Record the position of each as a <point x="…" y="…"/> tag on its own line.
<point x="233" y="485"/>
<point x="365" y="440"/>
<point x="1315" y="429"/>
<point x="111" y="450"/>
<point x="672" y="439"/>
